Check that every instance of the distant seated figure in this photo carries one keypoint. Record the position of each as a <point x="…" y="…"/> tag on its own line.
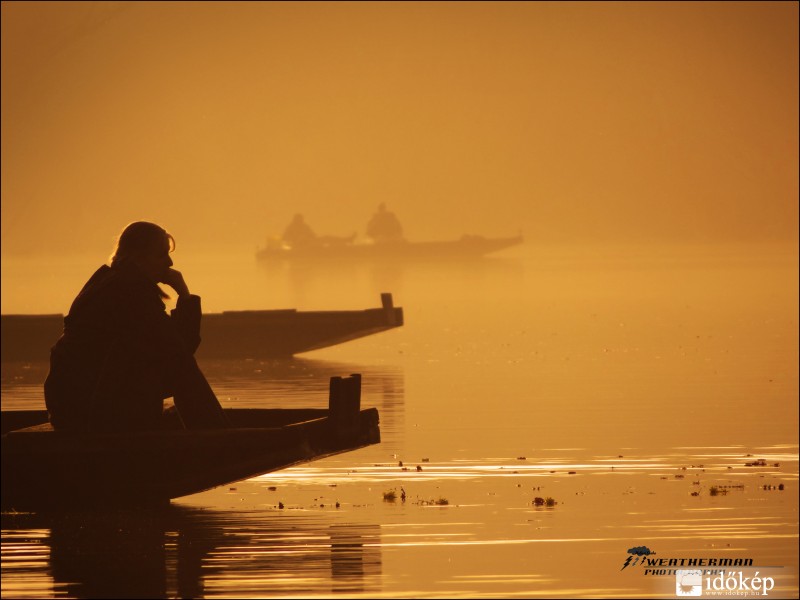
<point x="384" y="226"/>
<point x="121" y="354"/>
<point x="298" y="233"/>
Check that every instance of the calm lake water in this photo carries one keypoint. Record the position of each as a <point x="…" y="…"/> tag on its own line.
<point x="624" y="384"/>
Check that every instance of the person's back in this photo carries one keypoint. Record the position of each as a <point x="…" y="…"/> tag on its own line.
<point x="298" y="233"/>
<point x="384" y="226"/>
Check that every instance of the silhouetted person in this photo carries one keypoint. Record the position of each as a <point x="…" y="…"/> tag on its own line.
<point x="384" y="226"/>
<point x="298" y="233"/>
<point x="121" y="354"/>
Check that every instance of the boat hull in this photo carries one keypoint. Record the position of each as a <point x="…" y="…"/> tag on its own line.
<point x="42" y="468"/>
<point x="468" y="247"/>
<point x="232" y="334"/>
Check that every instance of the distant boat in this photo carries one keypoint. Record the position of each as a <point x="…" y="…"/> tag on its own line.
<point x="230" y="334"/>
<point x="42" y="468"/>
<point x="467" y="247"/>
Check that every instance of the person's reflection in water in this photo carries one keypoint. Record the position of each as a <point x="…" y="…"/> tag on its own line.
<point x="109" y="555"/>
<point x="198" y="535"/>
<point x="132" y="553"/>
<point x="180" y="551"/>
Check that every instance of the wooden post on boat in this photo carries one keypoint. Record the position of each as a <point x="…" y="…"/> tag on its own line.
<point x="388" y="307"/>
<point x="344" y="401"/>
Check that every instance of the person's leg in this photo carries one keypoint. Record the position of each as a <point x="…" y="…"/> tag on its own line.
<point x="195" y="400"/>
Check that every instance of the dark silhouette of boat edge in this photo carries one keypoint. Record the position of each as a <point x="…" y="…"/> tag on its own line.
<point x="230" y="334"/>
<point x="43" y="468"/>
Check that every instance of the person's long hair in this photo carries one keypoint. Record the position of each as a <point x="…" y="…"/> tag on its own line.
<point x="136" y="240"/>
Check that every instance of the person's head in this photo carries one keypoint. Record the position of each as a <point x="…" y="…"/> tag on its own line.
<point x="147" y="246"/>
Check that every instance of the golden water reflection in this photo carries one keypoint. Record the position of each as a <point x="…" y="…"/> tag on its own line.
<point x="323" y="529"/>
<point x="187" y="553"/>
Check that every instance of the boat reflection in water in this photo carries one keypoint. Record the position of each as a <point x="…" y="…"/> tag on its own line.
<point x="188" y="553"/>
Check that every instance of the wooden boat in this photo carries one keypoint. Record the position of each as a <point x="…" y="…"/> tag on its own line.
<point x="467" y="247"/>
<point x="230" y="334"/>
<point x="43" y="468"/>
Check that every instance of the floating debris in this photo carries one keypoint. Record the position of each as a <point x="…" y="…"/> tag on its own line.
<point x="419" y="468"/>
<point x="698" y="493"/>
<point x="757" y="463"/>
<point x="572" y="472"/>
<point x="438" y="502"/>
<point x="426" y="460"/>
<point x="389" y="496"/>
<point x="780" y="487"/>
<point x="717" y="491"/>
<point x="539" y="501"/>
<point x="521" y="458"/>
<point x="280" y="505"/>
<point x="337" y="504"/>
<point x="272" y="488"/>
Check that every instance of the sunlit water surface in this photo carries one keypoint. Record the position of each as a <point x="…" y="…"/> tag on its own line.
<point x="622" y="384"/>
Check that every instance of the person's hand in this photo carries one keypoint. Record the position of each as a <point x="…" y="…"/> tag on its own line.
<point x="174" y="279"/>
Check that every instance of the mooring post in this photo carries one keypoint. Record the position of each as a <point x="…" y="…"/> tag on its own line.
<point x="354" y="391"/>
<point x="388" y="308"/>
<point x="344" y="401"/>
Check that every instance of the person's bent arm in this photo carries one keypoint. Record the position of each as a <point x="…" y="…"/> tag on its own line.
<point x="174" y="279"/>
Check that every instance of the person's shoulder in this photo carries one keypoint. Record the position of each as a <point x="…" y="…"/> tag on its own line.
<point x="132" y="285"/>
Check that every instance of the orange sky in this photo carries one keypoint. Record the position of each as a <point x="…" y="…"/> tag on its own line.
<point x="571" y="122"/>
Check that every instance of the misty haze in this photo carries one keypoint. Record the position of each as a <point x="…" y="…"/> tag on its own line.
<point x="618" y="371"/>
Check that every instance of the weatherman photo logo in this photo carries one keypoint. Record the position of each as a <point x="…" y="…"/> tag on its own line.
<point x="661" y="565"/>
<point x="639" y="552"/>
<point x="705" y="575"/>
